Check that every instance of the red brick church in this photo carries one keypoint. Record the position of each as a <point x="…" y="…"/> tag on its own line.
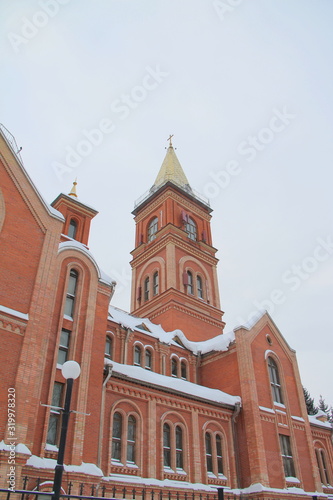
<point x="166" y="401"/>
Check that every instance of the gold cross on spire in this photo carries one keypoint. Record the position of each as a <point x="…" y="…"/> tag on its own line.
<point x="169" y="139"/>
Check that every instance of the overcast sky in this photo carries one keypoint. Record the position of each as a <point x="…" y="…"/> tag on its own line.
<point x="92" y="89"/>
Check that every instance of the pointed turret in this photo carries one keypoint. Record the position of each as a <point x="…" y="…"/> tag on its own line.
<point x="171" y="170"/>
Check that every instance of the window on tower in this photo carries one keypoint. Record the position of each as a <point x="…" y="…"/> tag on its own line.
<point x="190" y="282"/>
<point x="191" y="229"/>
<point x="152" y="229"/>
<point x="72" y="228"/>
<point x="146" y="289"/>
<point x="71" y="292"/>
<point x="63" y="346"/>
<point x="155" y="283"/>
<point x="199" y="287"/>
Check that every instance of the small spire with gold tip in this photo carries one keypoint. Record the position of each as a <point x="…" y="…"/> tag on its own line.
<point x="73" y="190"/>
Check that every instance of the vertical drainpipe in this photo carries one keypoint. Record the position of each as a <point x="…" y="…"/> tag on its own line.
<point x="197" y="374"/>
<point x="101" y="424"/>
<point x="128" y="332"/>
<point x="235" y="441"/>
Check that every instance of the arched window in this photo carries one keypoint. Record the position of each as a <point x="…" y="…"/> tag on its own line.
<point x="189" y="282"/>
<point x="131" y="438"/>
<point x="191" y="229"/>
<point x="116" y="436"/>
<point x="174" y="367"/>
<point x="137" y="355"/>
<point x="146" y="289"/>
<point x="108" y="347"/>
<point x="155" y="283"/>
<point x="148" y="359"/>
<point x="152" y="229"/>
<point x="53" y="431"/>
<point x="199" y="287"/>
<point x="166" y="445"/>
<point x="209" y="452"/>
<point x="183" y="370"/>
<point x="322" y="466"/>
<point x="219" y="457"/>
<point x="72" y="228"/>
<point x="275" y="380"/>
<point x="179" y="448"/>
<point x="71" y="291"/>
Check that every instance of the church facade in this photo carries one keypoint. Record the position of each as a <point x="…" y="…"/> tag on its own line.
<point x="165" y="397"/>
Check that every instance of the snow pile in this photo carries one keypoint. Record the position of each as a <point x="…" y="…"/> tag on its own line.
<point x="316" y="419"/>
<point x="174" y="384"/>
<point x="50" y="463"/>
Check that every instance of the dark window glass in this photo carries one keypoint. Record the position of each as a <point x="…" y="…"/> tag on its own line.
<point x="191" y="229"/>
<point x="174" y="367"/>
<point x="148" y="360"/>
<point x="137" y="355"/>
<point x="209" y="457"/>
<point x="63" y="346"/>
<point x="287" y="458"/>
<point x="72" y="228"/>
<point x="166" y="446"/>
<point x="199" y="287"/>
<point x="116" y="436"/>
<point x="146" y="289"/>
<point x="275" y="381"/>
<point x="131" y="436"/>
<point x="155" y="283"/>
<point x="152" y="229"/>
<point x="190" y="282"/>
<point x="55" y="414"/>
<point x="179" y="447"/>
<point x="219" y="454"/>
<point x="183" y="370"/>
<point x="71" y="291"/>
<point x="108" y="347"/>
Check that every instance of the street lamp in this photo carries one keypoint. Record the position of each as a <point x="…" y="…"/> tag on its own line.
<point x="70" y="371"/>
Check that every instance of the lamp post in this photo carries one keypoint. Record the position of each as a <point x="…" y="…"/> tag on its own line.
<point x="70" y="371"/>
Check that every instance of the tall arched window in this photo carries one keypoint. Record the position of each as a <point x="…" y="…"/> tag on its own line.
<point x="322" y="466"/>
<point x="131" y="437"/>
<point x="137" y="355"/>
<point x="189" y="282"/>
<point x="108" y="347"/>
<point x="146" y="289"/>
<point x="155" y="283"/>
<point x="199" y="287"/>
<point x="179" y="448"/>
<point x="174" y="367"/>
<point x="72" y="228"/>
<point x="166" y="445"/>
<point x="148" y="359"/>
<point x="63" y="346"/>
<point x="183" y="370"/>
<point x="191" y="229"/>
<point x="275" y="380"/>
<point x="219" y="457"/>
<point x="209" y="452"/>
<point x="71" y="292"/>
<point x="152" y="229"/>
<point x="116" y="436"/>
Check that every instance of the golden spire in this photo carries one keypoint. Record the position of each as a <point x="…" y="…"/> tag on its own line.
<point x="73" y="190"/>
<point x="171" y="169"/>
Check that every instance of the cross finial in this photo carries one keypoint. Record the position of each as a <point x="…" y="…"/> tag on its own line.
<point x="169" y="139"/>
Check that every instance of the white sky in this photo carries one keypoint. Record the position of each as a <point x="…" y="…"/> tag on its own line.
<point x="222" y="77"/>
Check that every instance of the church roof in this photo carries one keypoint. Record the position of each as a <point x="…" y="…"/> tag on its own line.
<point x="171" y="170"/>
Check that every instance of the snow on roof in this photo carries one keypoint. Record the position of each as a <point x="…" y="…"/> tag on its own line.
<point x="218" y="343"/>
<point x="315" y="420"/>
<point x="174" y="384"/>
<point x="13" y="312"/>
<point x="103" y="277"/>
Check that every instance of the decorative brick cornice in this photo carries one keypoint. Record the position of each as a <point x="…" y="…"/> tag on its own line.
<point x="12" y="325"/>
<point x="170" y="194"/>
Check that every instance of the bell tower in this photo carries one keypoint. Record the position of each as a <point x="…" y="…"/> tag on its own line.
<point x="174" y="279"/>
